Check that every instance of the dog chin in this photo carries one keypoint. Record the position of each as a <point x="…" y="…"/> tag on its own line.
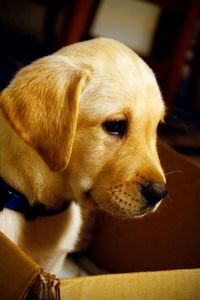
<point x="88" y="201"/>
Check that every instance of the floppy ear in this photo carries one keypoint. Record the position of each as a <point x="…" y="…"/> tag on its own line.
<point x="41" y="104"/>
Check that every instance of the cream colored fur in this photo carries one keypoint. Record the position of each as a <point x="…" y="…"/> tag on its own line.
<point x="54" y="147"/>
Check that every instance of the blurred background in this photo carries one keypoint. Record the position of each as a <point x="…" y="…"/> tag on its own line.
<point x="166" y="34"/>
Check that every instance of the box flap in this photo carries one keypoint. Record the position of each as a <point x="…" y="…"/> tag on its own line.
<point x="164" y="285"/>
<point x="17" y="271"/>
<point x="21" y="278"/>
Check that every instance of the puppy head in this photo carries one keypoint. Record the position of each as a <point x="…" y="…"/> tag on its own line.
<point x="91" y="110"/>
<point x="114" y="164"/>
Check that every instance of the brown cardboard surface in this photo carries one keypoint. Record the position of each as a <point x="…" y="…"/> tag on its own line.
<point x="163" y="285"/>
<point x="17" y="271"/>
<point x="167" y="239"/>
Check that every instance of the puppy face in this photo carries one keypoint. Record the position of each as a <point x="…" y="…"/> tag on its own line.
<point x="114" y="164"/>
<point x="91" y="111"/>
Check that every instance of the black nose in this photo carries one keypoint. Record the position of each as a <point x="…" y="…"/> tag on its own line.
<point x="153" y="192"/>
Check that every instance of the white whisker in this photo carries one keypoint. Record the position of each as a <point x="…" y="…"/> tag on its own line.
<point x="172" y="172"/>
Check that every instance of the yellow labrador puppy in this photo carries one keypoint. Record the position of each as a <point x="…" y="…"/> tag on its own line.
<point x="77" y="129"/>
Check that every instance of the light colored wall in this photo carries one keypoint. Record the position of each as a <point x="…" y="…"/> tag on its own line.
<point x="133" y="22"/>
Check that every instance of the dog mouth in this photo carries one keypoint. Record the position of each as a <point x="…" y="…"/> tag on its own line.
<point x="146" y="211"/>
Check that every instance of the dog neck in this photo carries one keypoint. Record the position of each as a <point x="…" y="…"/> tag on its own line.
<point x="18" y="202"/>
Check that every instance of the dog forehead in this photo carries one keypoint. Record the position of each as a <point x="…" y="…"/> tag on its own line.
<point x="120" y="81"/>
<point x="107" y="96"/>
<point x="140" y="103"/>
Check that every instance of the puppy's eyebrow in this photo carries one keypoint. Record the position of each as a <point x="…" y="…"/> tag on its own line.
<point x="117" y="116"/>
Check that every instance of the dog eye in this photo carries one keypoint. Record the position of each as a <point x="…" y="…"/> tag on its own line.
<point x="116" y="127"/>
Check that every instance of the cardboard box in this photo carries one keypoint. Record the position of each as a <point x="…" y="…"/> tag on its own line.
<point x="158" y="257"/>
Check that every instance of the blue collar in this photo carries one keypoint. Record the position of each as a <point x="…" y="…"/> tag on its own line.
<point x="13" y="200"/>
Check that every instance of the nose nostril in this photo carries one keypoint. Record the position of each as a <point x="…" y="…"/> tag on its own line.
<point x="154" y="192"/>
